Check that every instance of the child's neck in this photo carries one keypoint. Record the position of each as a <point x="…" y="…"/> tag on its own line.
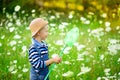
<point x="38" y="39"/>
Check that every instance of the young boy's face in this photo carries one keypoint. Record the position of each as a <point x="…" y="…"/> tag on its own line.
<point x="43" y="33"/>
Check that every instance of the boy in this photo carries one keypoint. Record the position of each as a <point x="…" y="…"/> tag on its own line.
<point x="38" y="52"/>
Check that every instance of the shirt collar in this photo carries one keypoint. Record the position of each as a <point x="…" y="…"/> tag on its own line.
<point x="40" y="44"/>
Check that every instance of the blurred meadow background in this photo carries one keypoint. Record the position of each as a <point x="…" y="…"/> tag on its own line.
<point x="95" y="55"/>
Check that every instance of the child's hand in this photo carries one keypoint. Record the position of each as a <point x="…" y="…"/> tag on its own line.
<point x="57" y="59"/>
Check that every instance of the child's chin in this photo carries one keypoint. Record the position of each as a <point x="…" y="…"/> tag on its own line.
<point x="43" y="38"/>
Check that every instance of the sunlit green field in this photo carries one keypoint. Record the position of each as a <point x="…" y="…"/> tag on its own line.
<point x="95" y="55"/>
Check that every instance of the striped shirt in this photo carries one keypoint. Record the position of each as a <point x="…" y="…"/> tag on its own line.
<point x="38" y="54"/>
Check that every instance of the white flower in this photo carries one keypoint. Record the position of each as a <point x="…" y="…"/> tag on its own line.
<point x="100" y="21"/>
<point x="17" y="36"/>
<point x="14" y="48"/>
<point x="52" y="24"/>
<point x="61" y="26"/>
<point x="119" y="73"/>
<point x="19" y="75"/>
<point x="108" y="29"/>
<point x="11" y="29"/>
<point x="18" y="23"/>
<point x="25" y="70"/>
<point x="11" y="68"/>
<point x="99" y="78"/>
<point x="87" y="22"/>
<point x="104" y="15"/>
<point x="24" y="48"/>
<point x="15" y="61"/>
<point x="8" y="53"/>
<point x="68" y="74"/>
<point x="82" y="33"/>
<point x="113" y="41"/>
<point x="54" y="55"/>
<point x="80" y="57"/>
<point x="101" y="57"/>
<point x="17" y="8"/>
<point x="70" y="16"/>
<point x="118" y="28"/>
<point x="13" y="72"/>
<point x="118" y="59"/>
<point x="67" y="62"/>
<point x="107" y="70"/>
<point x="59" y="42"/>
<point x="13" y="43"/>
<point x="33" y="11"/>
<point x="84" y="70"/>
<point x="95" y="49"/>
<point x="64" y="23"/>
<point x="107" y="24"/>
<point x="82" y="19"/>
<point x="3" y="36"/>
<point x="52" y="17"/>
<point x="114" y="48"/>
<point x="66" y="51"/>
<point x="80" y="47"/>
<point x="97" y="32"/>
<point x="10" y="24"/>
<point x="88" y="30"/>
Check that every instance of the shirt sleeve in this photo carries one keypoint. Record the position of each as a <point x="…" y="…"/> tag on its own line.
<point x="34" y="58"/>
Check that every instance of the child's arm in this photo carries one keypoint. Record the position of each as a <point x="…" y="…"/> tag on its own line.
<point x="56" y="59"/>
<point x="36" y="62"/>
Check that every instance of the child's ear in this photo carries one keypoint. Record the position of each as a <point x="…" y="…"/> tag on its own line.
<point x="38" y="33"/>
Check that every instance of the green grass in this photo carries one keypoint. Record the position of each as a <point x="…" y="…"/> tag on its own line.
<point x="91" y="60"/>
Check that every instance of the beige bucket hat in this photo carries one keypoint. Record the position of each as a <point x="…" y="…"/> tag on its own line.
<point x="36" y="25"/>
